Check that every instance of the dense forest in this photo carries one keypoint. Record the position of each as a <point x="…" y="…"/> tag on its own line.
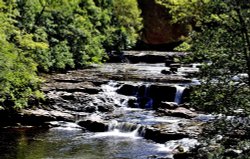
<point x="55" y="35"/>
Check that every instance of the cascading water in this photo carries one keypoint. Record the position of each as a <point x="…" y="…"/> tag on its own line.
<point x="143" y="97"/>
<point x="109" y="90"/>
<point x="122" y="129"/>
<point x="178" y="94"/>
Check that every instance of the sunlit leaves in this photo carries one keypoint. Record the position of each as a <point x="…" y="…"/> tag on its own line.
<point x="221" y="41"/>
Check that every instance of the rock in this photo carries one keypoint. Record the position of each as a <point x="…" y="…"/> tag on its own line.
<point x="174" y="67"/>
<point x="179" y="112"/>
<point x="115" y="57"/>
<point x="166" y="72"/>
<point x="132" y="102"/>
<point x="89" y="109"/>
<point x="106" y="108"/>
<point x="183" y="155"/>
<point x="39" y="116"/>
<point x="168" y="62"/>
<point x="163" y="136"/>
<point x="68" y="96"/>
<point x="158" y="28"/>
<point x="168" y="105"/>
<point x="127" y="89"/>
<point x="94" y="126"/>
<point x="162" y="93"/>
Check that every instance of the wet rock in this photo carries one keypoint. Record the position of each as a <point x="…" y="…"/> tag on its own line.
<point x="179" y="112"/>
<point x="162" y="93"/>
<point x="174" y="67"/>
<point x="168" y="62"/>
<point x="66" y="85"/>
<point x="127" y="89"/>
<point x="68" y="96"/>
<point x="168" y="105"/>
<point x="106" y="108"/>
<point x="115" y="57"/>
<point x="183" y="155"/>
<point x="39" y="116"/>
<point x="166" y="72"/>
<point x="89" y="109"/>
<point x="162" y="136"/>
<point x="94" y="126"/>
<point x="132" y="102"/>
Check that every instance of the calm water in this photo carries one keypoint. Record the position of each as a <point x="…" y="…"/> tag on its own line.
<point x="34" y="143"/>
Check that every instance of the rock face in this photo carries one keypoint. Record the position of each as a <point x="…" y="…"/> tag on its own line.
<point x="157" y="24"/>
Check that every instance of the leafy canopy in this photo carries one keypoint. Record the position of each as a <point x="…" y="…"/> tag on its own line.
<point x="56" y="35"/>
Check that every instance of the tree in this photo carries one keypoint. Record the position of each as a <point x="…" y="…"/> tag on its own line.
<point x="18" y="78"/>
<point x="120" y="23"/>
<point x="88" y="28"/>
<point x="56" y="35"/>
<point x="221" y="41"/>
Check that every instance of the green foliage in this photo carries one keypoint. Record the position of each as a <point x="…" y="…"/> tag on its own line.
<point x="221" y="41"/>
<point x="87" y="28"/>
<point x="225" y="138"/>
<point x="18" y="79"/>
<point x="55" y="35"/>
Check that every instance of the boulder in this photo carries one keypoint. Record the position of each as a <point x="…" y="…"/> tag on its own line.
<point x="94" y="126"/>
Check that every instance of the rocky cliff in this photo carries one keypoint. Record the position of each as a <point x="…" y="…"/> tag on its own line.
<point x="158" y="32"/>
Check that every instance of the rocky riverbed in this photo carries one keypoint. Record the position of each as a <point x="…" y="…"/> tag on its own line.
<point x="148" y="99"/>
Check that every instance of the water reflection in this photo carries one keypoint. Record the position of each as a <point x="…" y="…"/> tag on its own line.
<point x="34" y="143"/>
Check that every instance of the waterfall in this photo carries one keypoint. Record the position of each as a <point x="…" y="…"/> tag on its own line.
<point x="136" y="129"/>
<point x="143" y="99"/>
<point x="123" y="129"/>
<point x="178" y="94"/>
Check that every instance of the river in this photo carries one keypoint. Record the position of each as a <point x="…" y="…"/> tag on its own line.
<point x="132" y="110"/>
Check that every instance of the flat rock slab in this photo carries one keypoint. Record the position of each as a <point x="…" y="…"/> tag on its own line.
<point x="179" y="112"/>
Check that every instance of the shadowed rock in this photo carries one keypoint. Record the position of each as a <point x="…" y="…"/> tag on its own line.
<point x="94" y="126"/>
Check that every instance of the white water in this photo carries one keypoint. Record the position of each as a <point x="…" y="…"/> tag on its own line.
<point x="178" y="94"/>
<point x="122" y="129"/>
<point x="62" y="125"/>
<point x="109" y="90"/>
<point x="117" y="133"/>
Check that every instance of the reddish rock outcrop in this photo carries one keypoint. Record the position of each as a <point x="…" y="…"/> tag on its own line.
<point x="158" y="28"/>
